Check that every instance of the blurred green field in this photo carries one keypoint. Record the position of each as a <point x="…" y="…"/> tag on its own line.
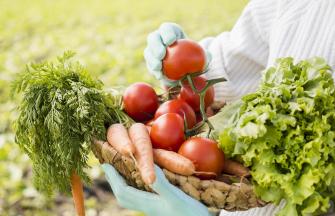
<point x="109" y="38"/>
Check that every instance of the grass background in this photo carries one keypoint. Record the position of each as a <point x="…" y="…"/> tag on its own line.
<point x="109" y="38"/>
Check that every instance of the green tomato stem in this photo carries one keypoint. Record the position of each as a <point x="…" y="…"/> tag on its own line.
<point x="195" y="129"/>
<point x="190" y="81"/>
<point x="202" y="94"/>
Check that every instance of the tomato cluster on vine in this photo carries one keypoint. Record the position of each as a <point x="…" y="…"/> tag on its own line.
<point x="172" y="122"/>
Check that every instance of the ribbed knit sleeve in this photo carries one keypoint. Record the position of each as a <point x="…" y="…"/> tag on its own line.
<point x="240" y="55"/>
<point x="267" y="30"/>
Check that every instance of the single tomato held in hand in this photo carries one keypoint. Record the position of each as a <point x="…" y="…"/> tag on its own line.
<point x="167" y="132"/>
<point x="183" y="57"/>
<point x="208" y="159"/>
<point x="181" y="108"/>
<point x="192" y="98"/>
<point x="140" y="101"/>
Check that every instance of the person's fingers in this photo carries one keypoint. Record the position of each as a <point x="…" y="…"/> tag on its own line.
<point x="132" y="198"/>
<point x="155" y="45"/>
<point x="158" y="74"/>
<point x="113" y="177"/>
<point x="164" y="188"/>
<point x="155" y="68"/>
<point x="170" y="32"/>
<point x="127" y="196"/>
<point x="167" y="82"/>
<point x="176" y="197"/>
<point x="153" y="64"/>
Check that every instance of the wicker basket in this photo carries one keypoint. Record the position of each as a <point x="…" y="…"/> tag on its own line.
<point x="226" y="192"/>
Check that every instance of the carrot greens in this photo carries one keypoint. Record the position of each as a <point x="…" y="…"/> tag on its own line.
<point x="62" y="110"/>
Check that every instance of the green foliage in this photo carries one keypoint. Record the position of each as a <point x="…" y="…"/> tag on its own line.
<point x="63" y="109"/>
<point x="14" y="185"/>
<point x="285" y="133"/>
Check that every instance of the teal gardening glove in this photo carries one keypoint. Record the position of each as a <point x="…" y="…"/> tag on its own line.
<point x="169" y="200"/>
<point x="155" y="51"/>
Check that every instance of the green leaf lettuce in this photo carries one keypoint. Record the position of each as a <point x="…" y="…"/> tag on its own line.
<point x="285" y="133"/>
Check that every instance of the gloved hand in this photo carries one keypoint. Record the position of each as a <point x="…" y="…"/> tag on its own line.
<point x="168" y="201"/>
<point x="155" y="51"/>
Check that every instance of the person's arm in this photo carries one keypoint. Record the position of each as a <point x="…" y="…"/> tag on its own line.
<point x="241" y="54"/>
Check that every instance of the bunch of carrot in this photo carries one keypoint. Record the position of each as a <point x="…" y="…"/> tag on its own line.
<point x="135" y="143"/>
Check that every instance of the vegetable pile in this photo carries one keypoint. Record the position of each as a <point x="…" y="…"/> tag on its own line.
<point x="62" y="110"/>
<point x="285" y="132"/>
<point x="172" y="123"/>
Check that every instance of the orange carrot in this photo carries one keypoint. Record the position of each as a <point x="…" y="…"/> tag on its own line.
<point x="174" y="162"/>
<point x="117" y="136"/>
<point x="235" y="168"/>
<point x="78" y="194"/>
<point x="140" y="137"/>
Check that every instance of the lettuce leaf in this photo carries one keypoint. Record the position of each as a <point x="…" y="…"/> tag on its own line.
<point x="285" y="133"/>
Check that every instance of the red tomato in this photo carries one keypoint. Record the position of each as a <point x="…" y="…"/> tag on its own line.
<point x="183" y="57"/>
<point x="198" y="117"/>
<point x="180" y="107"/>
<point x="192" y="98"/>
<point x="167" y="132"/>
<point x="205" y="155"/>
<point x="140" y="101"/>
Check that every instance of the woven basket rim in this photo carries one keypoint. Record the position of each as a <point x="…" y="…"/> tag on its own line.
<point x="214" y="194"/>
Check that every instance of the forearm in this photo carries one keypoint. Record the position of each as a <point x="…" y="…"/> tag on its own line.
<point x="241" y="54"/>
<point x="241" y="69"/>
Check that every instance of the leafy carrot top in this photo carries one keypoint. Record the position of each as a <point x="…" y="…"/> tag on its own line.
<point x="62" y="109"/>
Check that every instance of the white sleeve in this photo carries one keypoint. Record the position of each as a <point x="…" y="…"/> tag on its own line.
<point x="269" y="210"/>
<point x="240" y="55"/>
